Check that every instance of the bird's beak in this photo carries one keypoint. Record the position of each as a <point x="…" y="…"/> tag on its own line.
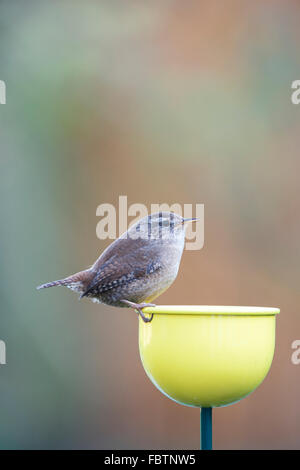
<point x="191" y="219"/>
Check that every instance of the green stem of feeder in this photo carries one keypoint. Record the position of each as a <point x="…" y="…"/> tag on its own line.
<point x="206" y="429"/>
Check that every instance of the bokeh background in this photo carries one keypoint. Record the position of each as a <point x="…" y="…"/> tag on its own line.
<point x="170" y="101"/>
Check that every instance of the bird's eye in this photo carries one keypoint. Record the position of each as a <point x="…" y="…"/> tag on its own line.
<point x="164" y="222"/>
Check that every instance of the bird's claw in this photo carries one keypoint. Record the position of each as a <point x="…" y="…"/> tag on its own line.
<point x="138" y="308"/>
<point x="145" y="319"/>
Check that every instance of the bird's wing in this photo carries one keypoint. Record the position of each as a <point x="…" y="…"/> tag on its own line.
<point x="129" y="261"/>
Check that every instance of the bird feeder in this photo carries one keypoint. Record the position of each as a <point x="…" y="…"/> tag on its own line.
<point x="207" y="356"/>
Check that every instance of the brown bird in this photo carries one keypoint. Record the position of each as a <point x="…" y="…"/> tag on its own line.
<point x="137" y="267"/>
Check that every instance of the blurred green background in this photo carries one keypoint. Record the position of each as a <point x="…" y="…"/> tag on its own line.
<point x="168" y="101"/>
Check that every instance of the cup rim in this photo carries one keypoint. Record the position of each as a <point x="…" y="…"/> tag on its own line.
<point x="211" y="310"/>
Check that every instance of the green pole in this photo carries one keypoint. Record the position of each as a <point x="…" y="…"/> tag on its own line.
<point x="206" y="429"/>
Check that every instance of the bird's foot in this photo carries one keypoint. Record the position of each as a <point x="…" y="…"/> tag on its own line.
<point x="138" y="308"/>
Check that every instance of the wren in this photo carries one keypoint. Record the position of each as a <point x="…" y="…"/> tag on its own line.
<point x="137" y="267"/>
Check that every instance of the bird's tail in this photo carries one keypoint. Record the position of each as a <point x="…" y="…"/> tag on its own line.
<point x="60" y="282"/>
<point x="76" y="282"/>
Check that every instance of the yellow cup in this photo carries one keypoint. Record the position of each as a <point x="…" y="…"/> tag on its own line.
<point x="207" y="356"/>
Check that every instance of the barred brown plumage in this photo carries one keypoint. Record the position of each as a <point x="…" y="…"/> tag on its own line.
<point x="137" y="267"/>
